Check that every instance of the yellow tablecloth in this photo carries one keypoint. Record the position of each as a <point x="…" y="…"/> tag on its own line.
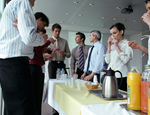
<point x="71" y="99"/>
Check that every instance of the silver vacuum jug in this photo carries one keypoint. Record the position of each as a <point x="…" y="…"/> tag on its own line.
<point x="110" y="85"/>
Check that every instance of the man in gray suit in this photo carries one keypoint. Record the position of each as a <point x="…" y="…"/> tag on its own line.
<point x="79" y="55"/>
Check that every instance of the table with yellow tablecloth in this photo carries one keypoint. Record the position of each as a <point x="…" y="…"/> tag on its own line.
<point x="69" y="99"/>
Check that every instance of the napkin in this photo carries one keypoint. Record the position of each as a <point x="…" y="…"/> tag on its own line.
<point x="111" y="108"/>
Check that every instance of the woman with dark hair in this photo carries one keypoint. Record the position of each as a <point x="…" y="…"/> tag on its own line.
<point x="118" y="53"/>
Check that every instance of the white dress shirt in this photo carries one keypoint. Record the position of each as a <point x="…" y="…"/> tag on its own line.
<point x="13" y="42"/>
<point x="62" y="44"/>
<point x="97" y="58"/>
<point x="119" y="61"/>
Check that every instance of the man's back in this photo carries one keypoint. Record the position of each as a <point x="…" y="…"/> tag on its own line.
<point x="16" y="47"/>
<point x="13" y="42"/>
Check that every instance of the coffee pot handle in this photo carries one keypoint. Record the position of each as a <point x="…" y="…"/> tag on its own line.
<point x="121" y="78"/>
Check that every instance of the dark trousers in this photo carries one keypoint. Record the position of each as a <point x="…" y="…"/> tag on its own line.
<point x="123" y="84"/>
<point x="98" y="76"/>
<point x="79" y="72"/>
<point x="52" y="68"/>
<point x="38" y="82"/>
<point x="16" y="83"/>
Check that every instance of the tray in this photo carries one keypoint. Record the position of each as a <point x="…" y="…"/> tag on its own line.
<point x="121" y="95"/>
<point x="137" y="112"/>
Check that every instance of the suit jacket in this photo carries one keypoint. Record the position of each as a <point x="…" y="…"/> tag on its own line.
<point x="75" y="56"/>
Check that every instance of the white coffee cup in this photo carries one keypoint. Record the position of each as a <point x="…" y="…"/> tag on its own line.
<point x="78" y="84"/>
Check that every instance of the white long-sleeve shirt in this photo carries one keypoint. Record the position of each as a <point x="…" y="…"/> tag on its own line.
<point x="119" y="61"/>
<point x="13" y="42"/>
<point x="97" y="58"/>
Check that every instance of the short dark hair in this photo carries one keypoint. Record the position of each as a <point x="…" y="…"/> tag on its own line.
<point x="56" y="25"/>
<point x="44" y="31"/>
<point x="146" y="1"/>
<point x="81" y="35"/>
<point x="43" y="16"/>
<point x="119" y="26"/>
<point x="97" y="33"/>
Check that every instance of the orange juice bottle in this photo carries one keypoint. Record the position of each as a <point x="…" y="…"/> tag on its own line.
<point x="144" y="89"/>
<point x="134" y="89"/>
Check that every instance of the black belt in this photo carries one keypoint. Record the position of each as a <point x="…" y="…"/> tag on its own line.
<point x="57" y="61"/>
<point x="13" y="58"/>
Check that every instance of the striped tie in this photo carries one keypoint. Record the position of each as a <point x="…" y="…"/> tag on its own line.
<point x="81" y="65"/>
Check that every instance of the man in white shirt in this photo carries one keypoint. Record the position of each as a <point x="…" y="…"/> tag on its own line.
<point x="95" y="59"/>
<point x="16" y="47"/>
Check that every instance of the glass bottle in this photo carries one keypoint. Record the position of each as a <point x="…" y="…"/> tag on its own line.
<point x="144" y="89"/>
<point x="62" y="73"/>
<point x="148" y="94"/>
<point x="58" y="74"/>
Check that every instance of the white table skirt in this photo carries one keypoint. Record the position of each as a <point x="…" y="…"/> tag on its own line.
<point x="48" y="98"/>
<point x="104" y="109"/>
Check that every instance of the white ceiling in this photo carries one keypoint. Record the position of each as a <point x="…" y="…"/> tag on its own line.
<point x="56" y="11"/>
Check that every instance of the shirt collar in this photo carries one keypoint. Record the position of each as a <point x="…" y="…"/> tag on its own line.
<point x="81" y="45"/>
<point x="55" y="38"/>
<point x="123" y="41"/>
<point x="96" y="43"/>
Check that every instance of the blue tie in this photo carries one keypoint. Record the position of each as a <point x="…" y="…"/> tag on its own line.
<point x="81" y="65"/>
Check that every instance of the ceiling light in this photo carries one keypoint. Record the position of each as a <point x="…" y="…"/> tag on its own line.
<point x="134" y="21"/>
<point x="67" y="14"/>
<point x="80" y="15"/>
<point x="91" y="4"/>
<point x="102" y="25"/>
<point x="92" y="24"/>
<point x="76" y="2"/>
<point x="103" y="17"/>
<point x="114" y="19"/>
<point x="62" y="21"/>
<point x="118" y="8"/>
<point x="124" y="20"/>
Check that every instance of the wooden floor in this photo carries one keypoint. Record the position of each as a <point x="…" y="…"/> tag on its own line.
<point x="46" y="109"/>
